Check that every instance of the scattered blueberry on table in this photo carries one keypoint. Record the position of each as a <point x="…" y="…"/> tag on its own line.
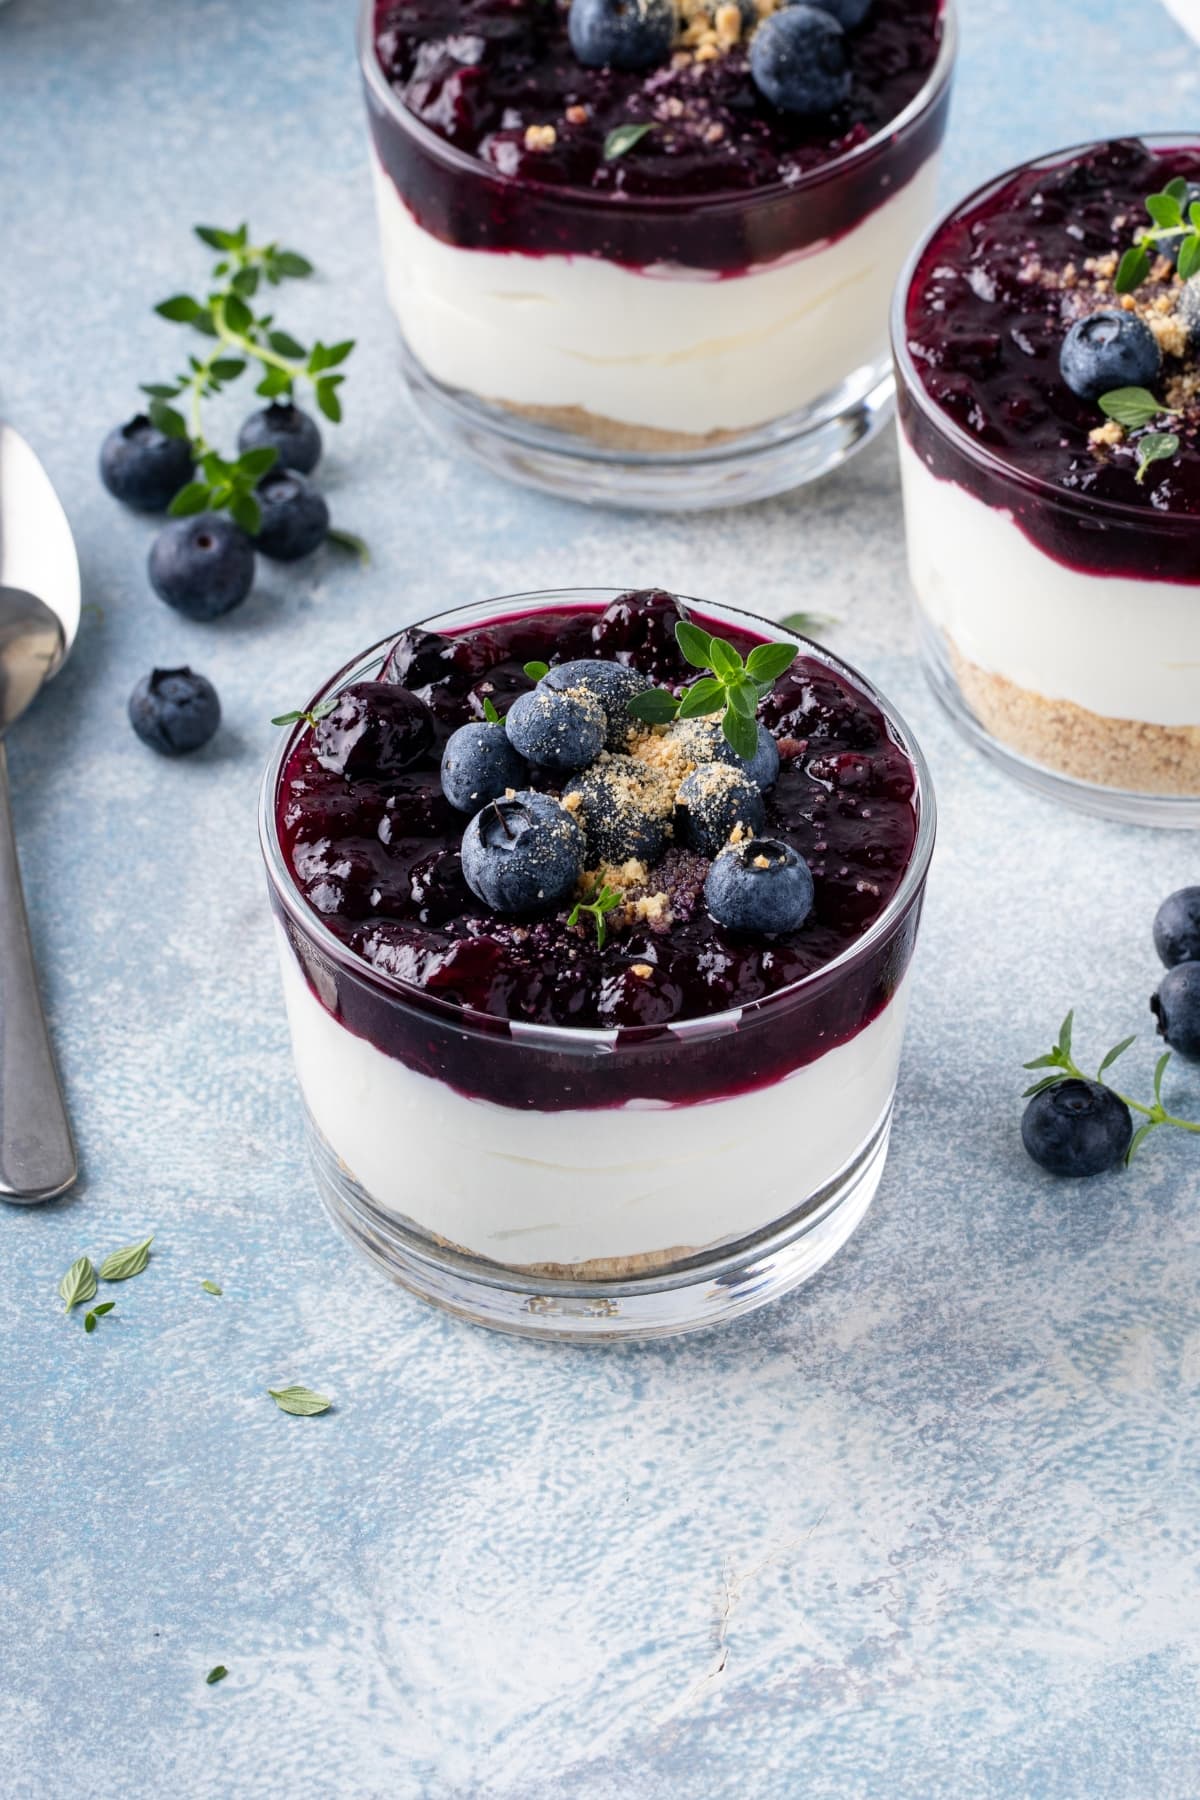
<point x="175" y="711"/>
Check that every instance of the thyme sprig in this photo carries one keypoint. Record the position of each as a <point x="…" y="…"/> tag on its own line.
<point x="1170" y="224"/>
<point x="730" y="689"/>
<point x="1062" y="1067"/>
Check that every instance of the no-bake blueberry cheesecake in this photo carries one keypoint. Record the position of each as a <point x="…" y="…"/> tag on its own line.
<point x="652" y="226"/>
<point x="1048" y="347"/>
<point x="586" y="975"/>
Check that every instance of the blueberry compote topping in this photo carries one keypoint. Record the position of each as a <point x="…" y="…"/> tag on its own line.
<point x="992" y="306"/>
<point x="378" y="855"/>
<point x="498" y="80"/>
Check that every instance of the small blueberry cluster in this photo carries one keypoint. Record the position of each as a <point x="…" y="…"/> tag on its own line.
<point x="525" y="851"/>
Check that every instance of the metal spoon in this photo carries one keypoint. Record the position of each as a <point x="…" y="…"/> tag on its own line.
<point x="39" y="616"/>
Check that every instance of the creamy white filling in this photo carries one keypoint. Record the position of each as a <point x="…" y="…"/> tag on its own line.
<point x="664" y="348"/>
<point x="1122" y="648"/>
<point x="565" y="1187"/>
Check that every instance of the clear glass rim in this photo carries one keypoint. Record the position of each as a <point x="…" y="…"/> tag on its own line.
<point x="1148" y="517"/>
<point x="437" y="146"/>
<point x="466" y="1019"/>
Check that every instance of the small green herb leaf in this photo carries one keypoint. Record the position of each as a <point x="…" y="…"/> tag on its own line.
<point x="347" y="540"/>
<point x="245" y="511"/>
<point x="535" y="670"/>
<point x="1116" y="1051"/>
<point x="215" y="1675"/>
<point x="491" y="716"/>
<point x="130" y="1260"/>
<point x="604" y="902"/>
<point x="1131" y="407"/>
<point x="300" y="1401"/>
<point x="210" y="1287"/>
<point x="1156" y="446"/>
<point x="97" y="1312"/>
<point x="1189" y="256"/>
<point x="181" y="309"/>
<point x="807" y="624"/>
<point x="1132" y="269"/>
<point x="190" y="499"/>
<point x="653" y="707"/>
<point x="171" y="423"/>
<point x="312" y="716"/>
<point x="622" y="138"/>
<point x="696" y="645"/>
<point x="1165" y="209"/>
<point x="740" y="730"/>
<point x="724" y="660"/>
<point x="704" y="696"/>
<point x="287" y="262"/>
<point x="767" y="662"/>
<point x="78" y="1284"/>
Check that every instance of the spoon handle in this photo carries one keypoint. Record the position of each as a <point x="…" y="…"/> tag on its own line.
<point x="37" y="1155"/>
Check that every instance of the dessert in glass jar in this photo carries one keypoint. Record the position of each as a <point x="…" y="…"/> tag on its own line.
<point x="644" y="254"/>
<point x="597" y="998"/>
<point x="1047" y="342"/>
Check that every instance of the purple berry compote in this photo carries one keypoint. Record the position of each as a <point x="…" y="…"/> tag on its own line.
<point x="653" y="260"/>
<point x="588" y="1074"/>
<point x="1048" y="357"/>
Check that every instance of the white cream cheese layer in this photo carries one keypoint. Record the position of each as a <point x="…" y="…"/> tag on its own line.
<point x="662" y="348"/>
<point x="1122" y="648"/>
<point x="566" y="1187"/>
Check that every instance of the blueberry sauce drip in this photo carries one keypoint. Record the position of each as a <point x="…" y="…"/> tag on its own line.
<point x="986" y="337"/>
<point x="377" y="859"/>
<point x="478" y="73"/>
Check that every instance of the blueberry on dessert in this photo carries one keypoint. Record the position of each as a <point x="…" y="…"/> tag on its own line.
<point x="1176" y="1007"/>
<point x="374" y="729"/>
<point x="286" y="429"/>
<point x="760" y="884"/>
<point x="557" y="730"/>
<point x="523" y="854"/>
<point x="143" y="467"/>
<point x="1109" y="349"/>
<point x="202" y="566"/>
<point x="612" y="684"/>
<point x="718" y="801"/>
<point x="479" y="764"/>
<point x="798" y="61"/>
<point x="175" y="711"/>
<point x="295" y="518"/>
<point x="1049" y="398"/>
<point x="575" y="1006"/>
<point x="765" y="158"/>
<point x="1177" y="927"/>
<point x="1076" y="1128"/>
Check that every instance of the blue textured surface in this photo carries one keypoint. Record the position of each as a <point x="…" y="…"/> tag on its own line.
<point x="929" y="1527"/>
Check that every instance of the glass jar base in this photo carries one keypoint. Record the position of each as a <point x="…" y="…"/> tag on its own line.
<point x="705" y="1290"/>
<point x="1122" y="806"/>
<point x="788" y="453"/>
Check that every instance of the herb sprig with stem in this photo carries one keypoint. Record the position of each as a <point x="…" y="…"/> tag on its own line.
<point x="312" y="716"/>
<point x="1170" y="224"/>
<point x="730" y="689"/>
<point x="1134" y="407"/>
<point x="1062" y="1066"/>
<point x="605" y="901"/>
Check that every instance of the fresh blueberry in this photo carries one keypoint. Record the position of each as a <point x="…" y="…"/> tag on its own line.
<point x="556" y="731"/>
<point x="143" y="467"/>
<point x="174" y="711"/>
<point x="478" y="765"/>
<point x="202" y="566"/>
<point x="376" y="728"/>
<point x="759" y="885"/>
<point x="283" y="427"/>
<point x="622" y="34"/>
<point x="717" y="799"/>
<point x="848" y="13"/>
<point x="610" y="683"/>
<point x="522" y="854"/>
<point x="763" y="766"/>
<point x="798" y="61"/>
<point x="295" y="518"/>
<point x="1076" y="1128"/>
<point x="625" y="808"/>
<point x="1109" y="349"/>
<point x="1176" y="1006"/>
<point x="1177" y="927"/>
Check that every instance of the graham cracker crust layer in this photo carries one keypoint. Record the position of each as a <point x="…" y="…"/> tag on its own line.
<point x="1113" y="753"/>
<point x="596" y="1268"/>
<point x="617" y="434"/>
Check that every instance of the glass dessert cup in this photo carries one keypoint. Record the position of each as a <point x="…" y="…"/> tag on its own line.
<point x="664" y="352"/>
<point x="579" y="1183"/>
<point x="1059" y="630"/>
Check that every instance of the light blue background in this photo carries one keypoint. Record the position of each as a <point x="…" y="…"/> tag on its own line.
<point x="930" y="1527"/>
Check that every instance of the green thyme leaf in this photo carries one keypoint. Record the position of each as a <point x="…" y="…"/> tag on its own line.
<point x="1138" y="1139"/>
<point x="237" y="314"/>
<point x="695" y="645"/>
<point x="347" y="540"/>
<point x="288" y="718"/>
<point x="78" y="1284"/>
<point x="535" y="670"/>
<point x="327" y="397"/>
<point x="97" y="1312"/>
<point x="190" y="499"/>
<point x="808" y="624"/>
<point x="704" y="696"/>
<point x="491" y="716"/>
<point x="1177" y="188"/>
<point x="604" y="902"/>
<point x="1189" y="256"/>
<point x="1116" y="1051"/>
<point x="130" y="1260"/>
<point x="653" y="707"/>
<point x="210" y="1287"/>
<point x="215" y="1675"/>
<point x="300" y="1401"/>
<point x="287" y="262"/>
<point x="245" y="511"/>
<point x="767" y="662"/>
<point x="284" y="344"/>
<point x="1165" y="208"/>
<point x="1132" y="269"/>
<point x="171" y="423"/>
<point x="743" y="698"/>
<point x="1156" y="446"/>
<point x="181" y="309"/>
<point x="622" y="138"/>
<point x="724" y="660"/>
<point x="740" y="730"/>
<point x="1131" y="407"/>
<point x="159" y="390"/>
